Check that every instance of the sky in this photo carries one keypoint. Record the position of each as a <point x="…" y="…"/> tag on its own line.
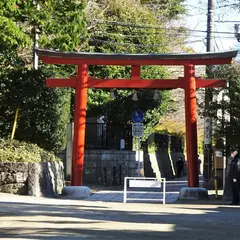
<point x="197" y="20"/>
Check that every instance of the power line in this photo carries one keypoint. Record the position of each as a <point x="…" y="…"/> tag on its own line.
<point x="222" y="21"/>
<point x="150" y="26"/>
<point x="227" y="5"/>
<point x="174" y="34"/>
<point x="137" y="45"/>
<point x="124" y="24"/>
<point x="216" y="7"/>
<point x="216" y="44"/>
<point x="215" y="39"/>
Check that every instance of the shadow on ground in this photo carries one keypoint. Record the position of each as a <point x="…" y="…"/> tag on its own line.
<point x="78" y="220"/>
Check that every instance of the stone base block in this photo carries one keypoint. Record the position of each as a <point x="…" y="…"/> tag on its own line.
<point x="193" y="193"/>
<point x="76" y="191"/>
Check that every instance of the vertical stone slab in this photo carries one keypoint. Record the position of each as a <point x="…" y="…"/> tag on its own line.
<point x="34" y="172"/>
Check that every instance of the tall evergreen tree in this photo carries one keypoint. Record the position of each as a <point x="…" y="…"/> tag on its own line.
<point x="226" y="107"/>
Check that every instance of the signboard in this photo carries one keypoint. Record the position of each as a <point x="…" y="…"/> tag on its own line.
<point x="219" y="154"/>
<point x="207" y="130"/>
<point x="137" y="116"/>
<point x="137" y="129"/>
<point x="145" y="183"/>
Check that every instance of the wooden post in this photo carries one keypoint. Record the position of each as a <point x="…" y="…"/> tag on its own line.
<point x="79" y="125"/>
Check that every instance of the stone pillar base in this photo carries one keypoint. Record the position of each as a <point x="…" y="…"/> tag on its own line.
<point x="193" y="193"/>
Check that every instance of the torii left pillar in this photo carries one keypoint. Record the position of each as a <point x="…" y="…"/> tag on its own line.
<point x="191" y="124"/>
<point x="79" y="125"/>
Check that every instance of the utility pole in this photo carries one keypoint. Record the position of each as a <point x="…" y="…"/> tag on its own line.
<point x="208" y="98"/>
<point x="35" y="42"/>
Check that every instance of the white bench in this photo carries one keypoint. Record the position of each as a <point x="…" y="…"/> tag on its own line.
<point x="144" y="182"/>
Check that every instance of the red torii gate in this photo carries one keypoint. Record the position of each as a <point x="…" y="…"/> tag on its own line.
<point x="82" y="81"/>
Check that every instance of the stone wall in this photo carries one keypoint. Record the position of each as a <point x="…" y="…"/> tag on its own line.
<point x="161" y="165"/>
<point x="34" y="179"/>
<point x="109" y="167"/>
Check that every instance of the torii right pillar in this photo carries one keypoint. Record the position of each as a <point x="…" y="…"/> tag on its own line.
<point x="191" y="125"/>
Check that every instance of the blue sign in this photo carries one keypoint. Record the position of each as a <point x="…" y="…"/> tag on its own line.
<point x="137" y="116"/>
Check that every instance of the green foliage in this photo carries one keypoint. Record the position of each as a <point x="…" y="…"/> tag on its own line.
<point x="124" y="36"/>
<point x="115" y="31"/>
<point x="168" y="8"/>
<point x="61" y="24"/>
<point x="152" y="148"/>
<point x="11" y="35"/>
<point x="15" y="151"/>
<point x="44" y="112"/>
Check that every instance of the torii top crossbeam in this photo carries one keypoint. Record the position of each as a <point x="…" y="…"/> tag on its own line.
<point x="82" y="81"/>
<point x="76" y="58"/>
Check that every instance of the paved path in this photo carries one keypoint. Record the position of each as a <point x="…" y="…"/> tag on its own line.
<point x="172" y="193"/>
<point x="104" y="216"/>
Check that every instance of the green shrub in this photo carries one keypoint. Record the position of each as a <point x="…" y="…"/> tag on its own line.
<point x="16" y="151"/>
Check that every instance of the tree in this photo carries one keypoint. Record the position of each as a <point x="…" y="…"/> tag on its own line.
<point x="62" y="25"/>
<point x="43" y="112"/>
<point x="170" y="9"/>
<point x="234" y="4"/>
<point x="128" y="26"/>
<point x="12" y="37"/>
<point x="226" y="107"/>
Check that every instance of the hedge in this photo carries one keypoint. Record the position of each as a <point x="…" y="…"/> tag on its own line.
<point x="16" y="151"/>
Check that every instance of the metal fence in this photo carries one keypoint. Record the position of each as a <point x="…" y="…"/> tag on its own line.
<point x="108" y="136"/>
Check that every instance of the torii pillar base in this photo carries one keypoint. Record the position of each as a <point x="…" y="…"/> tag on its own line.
<point x="193" y="193"/>
<point x="79" y="192"/>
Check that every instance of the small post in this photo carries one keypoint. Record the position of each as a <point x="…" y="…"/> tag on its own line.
<point x="14" y="124"/>
<point x="215" y="173"/>
<point x="164" y="190"/>
<point x="125" y="191"/>
<point x="69" y="148"/>
<point x="35" y="42"/>
<point x="224" y="171"/>
<point x="138" y="156"/>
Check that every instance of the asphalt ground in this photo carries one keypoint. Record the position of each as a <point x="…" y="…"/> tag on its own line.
<point x="24" y="217"/>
